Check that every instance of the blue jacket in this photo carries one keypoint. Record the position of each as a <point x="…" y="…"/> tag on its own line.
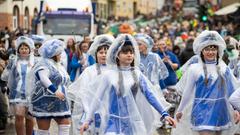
<point x="172" y="77"/>
<point x="75" y="65"/>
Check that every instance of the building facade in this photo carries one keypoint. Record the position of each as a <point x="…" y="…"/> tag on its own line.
<point x="114" y="8"/>
<point x="125" y="8"/>
<point x="147" y="6"/>
<point x="18" y="13"/>
<point x="101" y="8"/>
<point x="228" y="2"/>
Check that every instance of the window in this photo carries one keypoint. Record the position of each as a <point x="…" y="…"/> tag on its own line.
<point x="26" y="18"/>
<point x="15" y="17"/>
<point x="35" y="12"/>
<point x="67" y="25"/>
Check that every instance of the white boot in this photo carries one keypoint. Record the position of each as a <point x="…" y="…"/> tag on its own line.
<point x="63" y="129"/>
<point x="42" y="132"/>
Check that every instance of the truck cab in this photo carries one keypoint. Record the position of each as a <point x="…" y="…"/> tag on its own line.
<point x="66" y="18"/>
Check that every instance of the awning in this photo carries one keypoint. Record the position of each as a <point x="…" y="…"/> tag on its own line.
<point x="228" y="9"/>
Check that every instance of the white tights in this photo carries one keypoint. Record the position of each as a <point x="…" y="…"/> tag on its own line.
<point x="63" y="129"/>
<point x="42" y="132"/>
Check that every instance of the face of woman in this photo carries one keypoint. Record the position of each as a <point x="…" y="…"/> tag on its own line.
<point x="24" y="50"/>
<point x="58" y="57"/>
<point x="162" y="46"/>
<point x="70" y="42"/>
<point x="101" y="56"/>
<point x="125" y="58"/>
<point x="155" y="48"/>
<point x="210" y="53"/>
<point x="84" y="47"/>
<point x="142" y="47"/>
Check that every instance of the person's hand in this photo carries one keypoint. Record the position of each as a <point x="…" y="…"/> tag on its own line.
<point x="84" y="127"/>
<point x="82" y="62"/>
<point x="171" y="121"/>
<point x="236" y="116"/>
<point x="84" y="66"/>
<point x="60" y="95"/>
<point x="166" y="59"/>
<point x="166" y="93"/>
<point x="178" y="116"/>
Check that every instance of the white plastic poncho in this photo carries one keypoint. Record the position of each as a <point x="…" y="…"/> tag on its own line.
<point x="82" y="90"/>
<point x="46" y="73"/>
<point x="180" y="85"/>
<point x="232" y="43"/>
<point x="201" y="103"/>
<point x="151" y="64"/>
<point x="235" y="99"/>
<point x="124" y="108"/>
<point x="233" y="56"/>
<point x="234" y="65"/>
<point x="153" y="68"/>
<point x="83" y="83"/>
<point x="18" y="70"/>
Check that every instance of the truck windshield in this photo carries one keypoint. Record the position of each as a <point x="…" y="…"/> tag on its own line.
<point x="74" y="24"/>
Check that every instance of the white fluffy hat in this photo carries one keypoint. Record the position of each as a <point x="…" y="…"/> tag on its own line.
<point x="104" y="39"/>
<point x="117" y="45"/>
<point x="37" y="39"/>
<point x="51" y="48"/>
<point x="23" y="39"/>
<point x="145" y="38"/>
<point x="207" y="38"/>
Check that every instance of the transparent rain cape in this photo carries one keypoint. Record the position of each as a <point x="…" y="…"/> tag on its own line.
<point x="203" y="108"/>
<point x="122" y="109"/>
<point x="192" y="60"/>
<point x="153" y="67"/>
<point x="234" y="65"/>
<point x="39" y="92"/>
<point x="13" y="76"/>
<point x="84" y="89"/>
<point x="81" y="92"/>
<point x="134" y="111"/>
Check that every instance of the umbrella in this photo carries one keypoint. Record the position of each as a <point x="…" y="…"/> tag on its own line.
<point x="228" y="9"/>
